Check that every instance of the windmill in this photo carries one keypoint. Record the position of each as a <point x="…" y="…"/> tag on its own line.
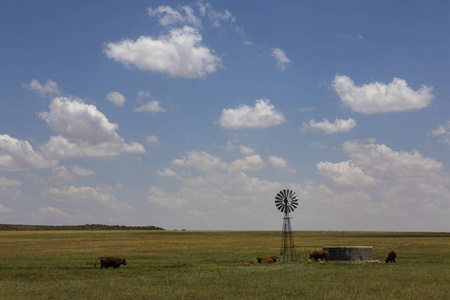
<point x="287" y="201"/>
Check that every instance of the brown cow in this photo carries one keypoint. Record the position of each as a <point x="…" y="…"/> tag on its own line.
<point x="316" y="255"/>
<point x="267" y="259"/>
<point x="249" y="264"/>
<point x="391" y="257"/>
<point x="107" y="262"/>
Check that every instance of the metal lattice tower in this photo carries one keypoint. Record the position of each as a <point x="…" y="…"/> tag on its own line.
<point x="286" y="201"/>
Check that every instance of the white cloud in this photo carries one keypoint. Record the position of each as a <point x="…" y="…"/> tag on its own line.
<point x="378" y="97"/>
<point x="380" y="160"/>
<point x="117" y="98"/>
<point x="376" y="187"/>
<point x="263" y="115"/>
<point x="242" y="149"/>
<point x="151" y="106"/>
<point x="280" y="56"/>
<point x="17" y="155"/>
<point x="49" y="88"/>
<point x="326" y="127"/>
<point x="383" y="188"/>
<point x="442" y="132"/>
<point x="60" y="175"/>
<point x="94" y="197"/>
<point x="246" y="150"/>
<point x="305" y="109"/>
<point x="179" y="53"/>
<point x="10" y="189"/>
<point x="250" y="163"/>
<point x="4" y="209"/>
<point x="51" y="215"/>
<point x="159" y="196"/>
<point x="84" y="132"/>
<point x="199" y="160"/>
<point x="280" y="164"/>
<point x="169" y="16"/>
<point x="167" y="172"/>
<point x="345" y="173"/>
<point x="82" y="172"/>
<point x="153" y="141"/>
<point x="215" y="17"/>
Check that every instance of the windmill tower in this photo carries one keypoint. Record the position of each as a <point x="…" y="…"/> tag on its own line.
<point x="287" y="201"/>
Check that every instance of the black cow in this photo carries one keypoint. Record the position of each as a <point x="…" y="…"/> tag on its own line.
<point x="114" y="262"/>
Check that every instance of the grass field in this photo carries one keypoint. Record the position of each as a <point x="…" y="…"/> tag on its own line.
<point x="209" y="265"/>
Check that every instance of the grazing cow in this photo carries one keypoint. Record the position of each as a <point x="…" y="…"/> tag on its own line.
<point x="267" y="259"/>
<point x="249" y="264"/>
<point x="391" y="257"/>
<point x="107" y="262"/>
<point x="316" y="255"/>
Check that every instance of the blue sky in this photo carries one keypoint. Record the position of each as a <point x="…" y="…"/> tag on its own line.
<point x="196" y="114"/>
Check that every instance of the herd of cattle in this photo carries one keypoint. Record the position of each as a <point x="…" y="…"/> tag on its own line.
<point x="115" y="262"/>
<point x="316" y="255"/>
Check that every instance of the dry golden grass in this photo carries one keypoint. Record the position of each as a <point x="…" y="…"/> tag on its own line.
<point x="209" y="265"/>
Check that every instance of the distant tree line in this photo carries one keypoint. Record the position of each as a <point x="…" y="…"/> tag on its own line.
<point x="20" y="227"/>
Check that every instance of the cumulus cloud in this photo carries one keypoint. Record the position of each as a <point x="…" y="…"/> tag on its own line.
<point x="84" y="195"/>
<point x="200" y="161"/>
<point x="215" y="17"/>
<point x="442" y="132"/>
<point x="281" y="58"/>
<point x="376" y="187"/>
<point x="83" y="132"/>
<point x="345" y="173"/>
<point x="167" y="172"/>
<point x="49" y="88"/>
<point x="115" y="97"/>
<point x="179" y="53"/>
<point x="263" y="115"/>
<point x="18" y="155"/>
<point x="326" y="127"/>
<point x="246" y="150"/>
<point x="10" y="188"/>
<point x="249" y="163"/>
<point x="4" y="209"/>
<point x="60" y="175"/>
<point x="242" y="149"/>
<point x="397" y="187"/>
<point x="397" y="174"/>
<point x="151" y="106"/>
<point x="280" y="164"/>
<point x="53" y="215"/>
<point x="169" y="16"/>
<point x="153" y="141"/>
<point x="378" y="97"/>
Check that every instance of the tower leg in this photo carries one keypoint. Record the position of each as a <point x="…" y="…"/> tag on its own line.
<point x="287" y="252"/>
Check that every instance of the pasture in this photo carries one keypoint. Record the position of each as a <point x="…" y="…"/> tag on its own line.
<point x="209" y="265"/>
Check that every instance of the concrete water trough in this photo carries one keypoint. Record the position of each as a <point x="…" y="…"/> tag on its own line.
<point x="349" y="253"/>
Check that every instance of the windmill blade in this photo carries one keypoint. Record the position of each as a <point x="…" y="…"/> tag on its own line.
<point x="280" y="206"/>
<point x="290" y="192"/>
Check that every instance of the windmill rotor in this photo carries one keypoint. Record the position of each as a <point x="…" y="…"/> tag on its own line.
<point x="286" y="201"/>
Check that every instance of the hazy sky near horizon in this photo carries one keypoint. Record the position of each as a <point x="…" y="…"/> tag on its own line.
<point x="196" y="114"/>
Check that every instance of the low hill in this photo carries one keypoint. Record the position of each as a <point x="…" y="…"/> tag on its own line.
<point x="20" y="227"/>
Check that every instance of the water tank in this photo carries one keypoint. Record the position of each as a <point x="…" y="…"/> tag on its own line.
<point x="349" y="253"/>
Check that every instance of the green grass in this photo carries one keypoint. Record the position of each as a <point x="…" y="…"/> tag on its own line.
<point x="209" y="265"/>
